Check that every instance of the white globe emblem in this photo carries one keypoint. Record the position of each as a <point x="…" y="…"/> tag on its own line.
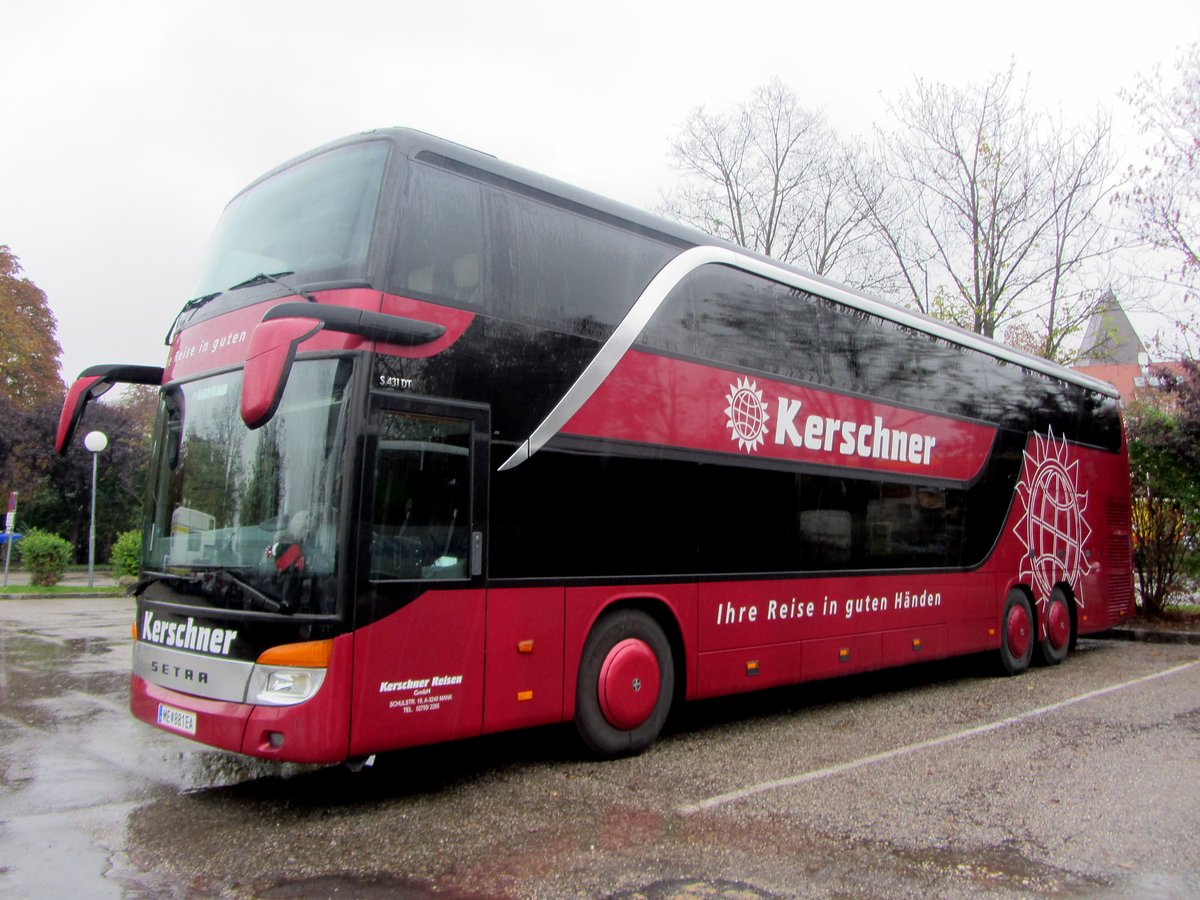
<point x="1053" y="528"/>
<point x="747" y="415"/>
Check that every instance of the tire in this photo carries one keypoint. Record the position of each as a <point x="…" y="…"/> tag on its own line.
<point x="625" y="686"/>
<point x="1016" y="633"/>
<point x="1052" y="649"/>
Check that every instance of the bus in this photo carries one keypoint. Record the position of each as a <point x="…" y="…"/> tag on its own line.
<point x="446" y="448"/>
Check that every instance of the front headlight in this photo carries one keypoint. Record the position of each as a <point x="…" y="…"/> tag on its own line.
<point x="275" y="686"/>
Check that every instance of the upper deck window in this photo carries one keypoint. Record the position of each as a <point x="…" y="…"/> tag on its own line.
<point x="313" y="219"/>
<point x="517" y="256"/>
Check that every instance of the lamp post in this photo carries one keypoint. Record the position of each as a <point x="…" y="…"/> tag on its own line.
<point x="95" y="442"/>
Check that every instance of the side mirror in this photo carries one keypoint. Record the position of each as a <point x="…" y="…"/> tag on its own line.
<point x="284" y="327"/>
<point x="91" y="383"/>
<point x="269" y="360"/>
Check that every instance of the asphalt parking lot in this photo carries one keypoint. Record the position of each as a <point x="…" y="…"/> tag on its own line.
<point x="1082" y="779"/>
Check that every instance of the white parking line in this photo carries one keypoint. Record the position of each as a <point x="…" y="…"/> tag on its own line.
<point x="817" y="774"/>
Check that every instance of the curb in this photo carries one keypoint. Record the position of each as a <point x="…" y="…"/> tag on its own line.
<point x="1149" y="636"/>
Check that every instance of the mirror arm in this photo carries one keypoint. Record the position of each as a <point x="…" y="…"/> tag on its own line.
<point x="91" y="383"/>
<point x="371" y="325"/>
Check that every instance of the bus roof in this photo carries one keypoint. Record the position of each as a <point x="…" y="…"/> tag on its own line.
<point x="419" y="145"/>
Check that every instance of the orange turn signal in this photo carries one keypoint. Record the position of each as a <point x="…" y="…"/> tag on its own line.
<point x="307" y="655"/>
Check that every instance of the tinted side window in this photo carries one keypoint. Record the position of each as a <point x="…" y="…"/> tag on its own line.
<point x="440" y="252"/>
<point x="565" y="270"/>
<point x="519" y="257"/>
<point x="730" y="317"/>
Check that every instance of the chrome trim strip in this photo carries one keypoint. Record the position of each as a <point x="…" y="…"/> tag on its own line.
<point x="678" y="268"/>
<point x="193" y="673"/>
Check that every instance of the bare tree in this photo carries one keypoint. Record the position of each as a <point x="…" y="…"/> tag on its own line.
<point x="773" y="177"/>
<point x="1165" y="193"/>
<point x="994" y="211"/>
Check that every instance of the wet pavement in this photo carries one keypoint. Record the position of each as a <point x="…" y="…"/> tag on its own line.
<point x="941" y="779"/>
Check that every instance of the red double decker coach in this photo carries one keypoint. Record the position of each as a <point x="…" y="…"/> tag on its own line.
<point x="446" y="448"/>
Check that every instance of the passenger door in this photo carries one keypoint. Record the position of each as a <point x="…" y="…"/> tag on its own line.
<point x="420" y="605"/>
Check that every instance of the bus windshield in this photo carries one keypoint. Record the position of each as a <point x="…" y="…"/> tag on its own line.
<point x="248" y="519"/>
<point x="313" y="219"/>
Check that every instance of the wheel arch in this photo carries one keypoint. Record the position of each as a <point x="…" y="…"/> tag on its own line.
<point x="658" y="608"/>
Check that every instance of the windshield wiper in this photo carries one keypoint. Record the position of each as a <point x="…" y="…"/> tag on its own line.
<point x="277" y="278"/>
<point x="150" y="578"/>
<point x="254" y="593"/>
<point x="210" y="580"/>
<point x="194" y="303"/>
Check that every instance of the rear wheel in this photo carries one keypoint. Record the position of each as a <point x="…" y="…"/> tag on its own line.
<point x="626" y="682"/>
<point x="1016" y="633"/>
<point x="1052" y="649"/>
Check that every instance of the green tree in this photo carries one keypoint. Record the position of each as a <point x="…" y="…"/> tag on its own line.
<point x="127" y="554"/>
<point x="56" y="490"/>
<point x="60" y="498"/>
<point x="1164" y="456"/>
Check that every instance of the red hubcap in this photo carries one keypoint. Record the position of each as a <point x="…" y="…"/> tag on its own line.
<point x="629" y="683"/>
<point x="1058" y="624"/>
<point x="1017" y="632"/>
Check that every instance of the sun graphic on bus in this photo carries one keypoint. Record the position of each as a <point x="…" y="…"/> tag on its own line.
<point x="1053" y="528"/>
<point x="747" y="414"/>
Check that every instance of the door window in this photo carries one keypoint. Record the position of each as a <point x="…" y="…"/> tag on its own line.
<point x="421" y="523"/>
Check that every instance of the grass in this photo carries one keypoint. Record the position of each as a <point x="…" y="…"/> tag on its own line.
<point x="1176" y="617"/>
<point x="37" y="589"/>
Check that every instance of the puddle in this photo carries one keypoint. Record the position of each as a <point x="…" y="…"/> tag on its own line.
<point x="685" y="889"/>
<point x="360" y="888"/>
<point x="1002" y="867"/>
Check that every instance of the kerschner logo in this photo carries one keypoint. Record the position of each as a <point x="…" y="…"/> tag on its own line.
<point x="187" y="635"/>
<point x="874" y="439"/>
<point x="747" y="414"/>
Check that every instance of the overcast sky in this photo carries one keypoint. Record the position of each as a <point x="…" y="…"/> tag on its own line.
<point x="127" y="126"/>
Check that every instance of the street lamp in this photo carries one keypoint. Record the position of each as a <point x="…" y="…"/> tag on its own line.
<point x="95" y="442"/>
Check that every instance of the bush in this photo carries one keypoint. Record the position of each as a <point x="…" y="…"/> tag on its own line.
<point x="45" y="555"/>
<point x="1163" y="452"/>
<point x="127" y="554"/>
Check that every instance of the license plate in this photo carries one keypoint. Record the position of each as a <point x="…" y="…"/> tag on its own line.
<point x="176" y="719"/>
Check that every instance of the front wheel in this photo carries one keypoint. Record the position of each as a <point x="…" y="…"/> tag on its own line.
<point x="626" y="682"/>
<point x="1016" y="633"/>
